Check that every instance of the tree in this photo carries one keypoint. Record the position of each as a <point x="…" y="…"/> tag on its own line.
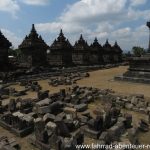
<point x="11" y="52"/>
<point x="18" y="52"/>
<point x="138" y="51"/>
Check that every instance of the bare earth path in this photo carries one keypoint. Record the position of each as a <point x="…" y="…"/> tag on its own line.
<point x="105" y="79"/>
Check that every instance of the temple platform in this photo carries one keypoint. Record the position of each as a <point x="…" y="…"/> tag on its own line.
<point x="132" y="79"/>
<point x="138" y="71"/>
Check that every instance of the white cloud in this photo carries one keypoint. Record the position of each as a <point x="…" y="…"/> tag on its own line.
<point x="137" y="2"/>
<point x="122" y="33"/>
<point x="54" y="27"/>
<point x="101" y="18"/>
<point x="10" y="6"/>
<point x="13" y="6"/>
<point x="77" y="17"/>
<point x="85" y="10"/>
<point x="15" y="40"/>
<point x="35" y="2"/>
<point x="127" y="37"/>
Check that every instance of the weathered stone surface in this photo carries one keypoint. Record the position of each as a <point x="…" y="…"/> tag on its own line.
<point x="71" y="111"/>
<point x="116" y="130"/>
<point x="81" y="107"/>
<point x="128" y="122"/>
<point x="104" y="137"/>
<point x="51" y="126"/>
<point x="129" y="106"/>
<point x="30" y="57"/>
<point x="143" y="125"/>
<point x="43" y="94"/>
<point x="91" y="133"/>
<point x="8" y="144"/>
<point x="48" y="117"/>
<point x="132" y="135"/>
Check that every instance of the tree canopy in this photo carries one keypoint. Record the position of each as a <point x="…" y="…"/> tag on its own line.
<point x="138" y="51"/>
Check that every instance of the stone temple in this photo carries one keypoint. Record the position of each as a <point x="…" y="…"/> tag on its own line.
<point x="33" y="50"/>
<point x="96" y="56"/>
<point x="4" y="46"/>
<point x="60" y="52"/>
<point x="81" y="52"/>
<point x="139" y="68"/>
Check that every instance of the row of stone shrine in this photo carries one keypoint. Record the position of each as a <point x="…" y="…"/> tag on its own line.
<point x="35" y="52"/>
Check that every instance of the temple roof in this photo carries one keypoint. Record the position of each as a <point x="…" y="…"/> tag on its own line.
<point x="33" y="40"/>
<point x="95" y="45"/>
<point x="81" y="44"/>
<point x="4" y="41"/>
<point x="107" y="47"/>
<point x="61" y="42"/>
<point x="117" y="48"/>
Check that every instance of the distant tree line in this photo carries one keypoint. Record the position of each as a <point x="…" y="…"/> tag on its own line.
<point x="14" y="52"/>
<point x="138" y="51"/>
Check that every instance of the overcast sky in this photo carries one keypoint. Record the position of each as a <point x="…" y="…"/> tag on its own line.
<point x="121" y="20"/>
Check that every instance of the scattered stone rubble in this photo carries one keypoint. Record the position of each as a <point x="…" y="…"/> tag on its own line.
<point x="67" y="79"/>
<point x="17" y="116"/>
<point x="62" y="120"/>
<point x="5" y="92"/>
<point x="30" y="85"/>
<point x="8" y="144"/>
<point x="46" y="72"/>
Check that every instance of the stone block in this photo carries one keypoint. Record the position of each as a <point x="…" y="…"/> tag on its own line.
<point x="81" y="107"/>
<point x="91" y="133"/>
<point x="71" y="111"/>
<point x="51" y="126"/>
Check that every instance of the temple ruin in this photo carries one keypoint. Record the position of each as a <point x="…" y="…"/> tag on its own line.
<point x="33" y="50"/>
<point x="4" y="46"/>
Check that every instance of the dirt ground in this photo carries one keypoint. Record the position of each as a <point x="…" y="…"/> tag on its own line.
<point x="105" y="79"/>
<point x="100" y="79"/>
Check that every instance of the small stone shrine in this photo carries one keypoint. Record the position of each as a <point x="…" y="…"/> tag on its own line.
<point x="33" y="50"/>
<point x="81" y="52"/>
<point x="60" y="52"/>
<point x="96" y="56"/>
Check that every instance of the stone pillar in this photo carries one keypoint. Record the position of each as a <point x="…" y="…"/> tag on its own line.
<point x="148" y="25"/>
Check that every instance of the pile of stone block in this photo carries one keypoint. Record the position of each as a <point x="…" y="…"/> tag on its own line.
<point x="31" y="85"/>
<point x="62" y="120"/>
<point x="59" y="131"/>
<point x="135" y="102"/>
<point x="18" y="123"/>
<point x="67" y="79"/>
<point x="144" y="125"/>
<point x="19" y="104"/>
<point x="8" y="143"/>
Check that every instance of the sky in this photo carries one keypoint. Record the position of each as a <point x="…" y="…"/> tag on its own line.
<point x="123" y="21"/>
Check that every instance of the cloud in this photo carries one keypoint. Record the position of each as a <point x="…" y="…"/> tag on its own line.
<point x="137" y="2"/>
<point x="10" y="6"/>
<point x="15" y="40"/>
<point x="77" y="18"/>
<point x="101" y="18"/>
<point x="13" y="6"/>
<point x="85" y="10"/>
<point x="36" y="2"/>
